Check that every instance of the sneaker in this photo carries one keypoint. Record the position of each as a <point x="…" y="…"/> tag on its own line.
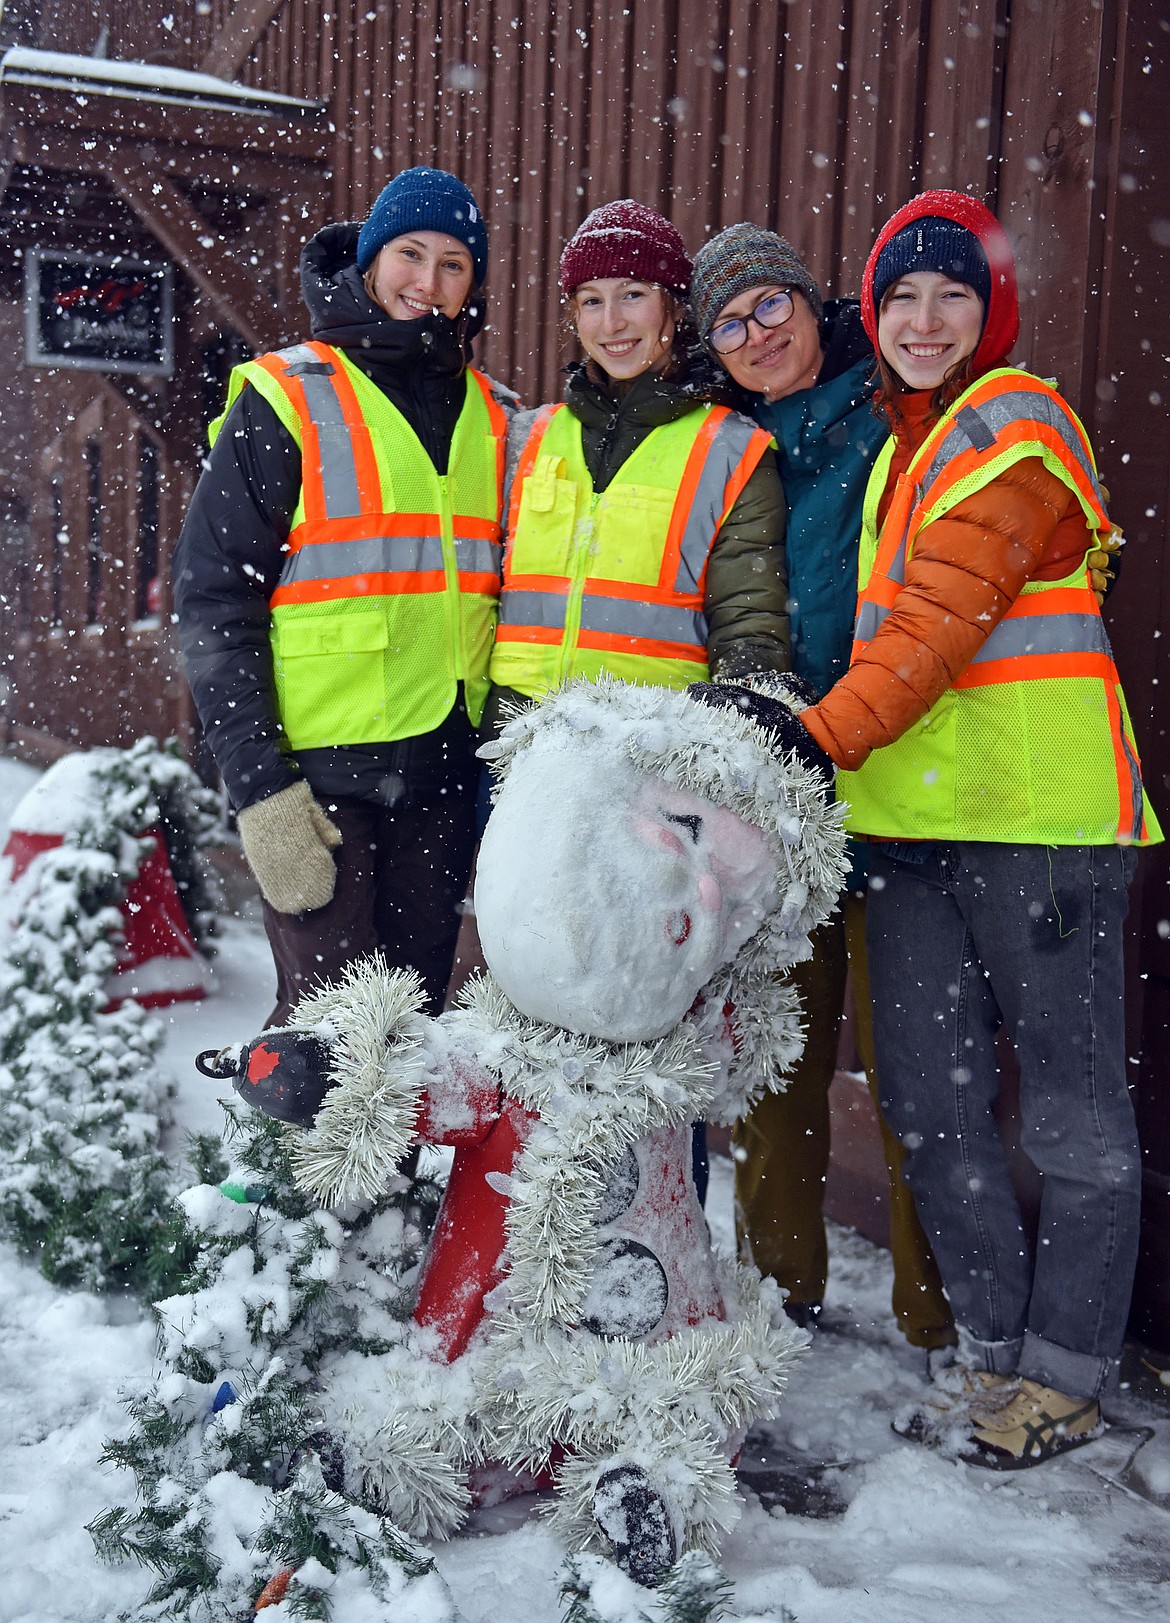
<point x="943" y="1416"/>
<point x="1033" y="1426"/>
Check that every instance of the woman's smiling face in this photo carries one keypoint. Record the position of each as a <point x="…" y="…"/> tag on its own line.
<point x="626" y="327"/>
<point x="421" y="272"/>
<point x="927" y="325"/>
<point x="774" y="361"/>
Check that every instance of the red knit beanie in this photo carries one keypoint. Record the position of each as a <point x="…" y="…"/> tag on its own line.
<point x="625" y="239"/>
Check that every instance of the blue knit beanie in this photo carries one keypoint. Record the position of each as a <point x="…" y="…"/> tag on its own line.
<point x="933" y="244"/>
<point x="425" y="199"/>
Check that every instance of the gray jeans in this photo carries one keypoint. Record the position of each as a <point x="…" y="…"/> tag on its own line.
<point x="964" y="938"/>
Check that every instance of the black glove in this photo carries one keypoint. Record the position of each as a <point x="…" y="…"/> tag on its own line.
<point x="772" y="713"/>
<point x="282" y="1073"/>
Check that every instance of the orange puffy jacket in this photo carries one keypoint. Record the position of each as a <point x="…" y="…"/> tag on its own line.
<point x="964" y="573"/>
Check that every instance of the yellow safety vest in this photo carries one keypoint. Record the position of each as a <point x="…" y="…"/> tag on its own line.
<point x="614" y="583"/>
<point x="1033" y="742"/>
<point x="387" y="598"/>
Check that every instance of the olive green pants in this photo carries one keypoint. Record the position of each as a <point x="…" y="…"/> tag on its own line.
<point x="782" y="1150"/>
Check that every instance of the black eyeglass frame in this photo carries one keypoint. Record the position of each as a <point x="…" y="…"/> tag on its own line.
<point x="752" y="315"/>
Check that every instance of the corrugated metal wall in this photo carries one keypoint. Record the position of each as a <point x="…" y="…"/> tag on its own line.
<point x="815" y="118"/>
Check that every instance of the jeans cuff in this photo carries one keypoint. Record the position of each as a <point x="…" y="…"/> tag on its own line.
<point x="1000" y="1357"/>
<point x="1078" y="1375"/>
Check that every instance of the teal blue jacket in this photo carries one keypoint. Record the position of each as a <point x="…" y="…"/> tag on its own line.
<point x="828" y="438"/>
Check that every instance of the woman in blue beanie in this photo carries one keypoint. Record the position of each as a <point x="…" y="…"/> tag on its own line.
<point x="336" y="587"/>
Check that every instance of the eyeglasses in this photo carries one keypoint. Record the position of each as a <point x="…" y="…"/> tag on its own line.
<point x="774" y="311"/>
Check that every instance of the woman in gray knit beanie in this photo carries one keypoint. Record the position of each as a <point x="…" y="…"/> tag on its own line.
<point x="770" y="345"/>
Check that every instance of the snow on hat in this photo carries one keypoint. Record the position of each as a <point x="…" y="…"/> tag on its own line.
<point x="742" y="257"/>
<point x="628" y="239"/>
<point x="423" y="199"/>
<point x="959" y="212"/>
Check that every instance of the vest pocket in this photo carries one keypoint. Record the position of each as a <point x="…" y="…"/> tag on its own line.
<point x="330" y="678"/>
<point x="633" y="522"/>
<point x="545" y="527"/>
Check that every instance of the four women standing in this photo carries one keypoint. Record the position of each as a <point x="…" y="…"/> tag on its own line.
<point x="336" y="583"/>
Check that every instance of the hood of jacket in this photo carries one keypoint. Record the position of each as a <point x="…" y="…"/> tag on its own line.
<point x="1001" y="326"/>
<point x="342" y="313"/>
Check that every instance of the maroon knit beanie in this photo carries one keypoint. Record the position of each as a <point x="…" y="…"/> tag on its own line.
<point x="625" y="239"/>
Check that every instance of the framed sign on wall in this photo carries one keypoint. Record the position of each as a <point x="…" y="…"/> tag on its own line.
<point x="106" y="313"/>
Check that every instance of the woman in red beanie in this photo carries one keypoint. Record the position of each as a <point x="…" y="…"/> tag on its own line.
<point x="645" y="517"/>
<point x="985" y="749"/>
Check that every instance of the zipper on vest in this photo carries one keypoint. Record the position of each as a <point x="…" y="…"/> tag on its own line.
<point x="584" y="537"/>
<point x="451" y="577"/>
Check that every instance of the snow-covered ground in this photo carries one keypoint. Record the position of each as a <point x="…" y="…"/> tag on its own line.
<point x="905" y="1535"/>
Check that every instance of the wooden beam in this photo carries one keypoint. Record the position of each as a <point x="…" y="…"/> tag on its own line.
<point x="233" y="44"/>
<point x="237" y="294"/>
<point x="270" y="177"/>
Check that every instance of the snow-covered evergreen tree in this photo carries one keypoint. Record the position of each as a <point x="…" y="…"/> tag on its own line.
<point x="237" y="1481"/>
<point x="82" y="1101"/>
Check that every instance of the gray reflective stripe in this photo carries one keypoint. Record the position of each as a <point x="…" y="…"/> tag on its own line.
<point x="383" y="555"/>
<point x="615" y="616"/>
<point x="1137" y="802"/>
<point x="1018" y="637"/>
<point x="339" y="480"/>
<point x="728" y="444"/>
<point x="533" y="609"/>
<point x="869" y="618"/>
<point x="994" y="415"/>
<point x="1045" y="634"/>
<point x="300" y="359"/>
<point x="625" y="617"/>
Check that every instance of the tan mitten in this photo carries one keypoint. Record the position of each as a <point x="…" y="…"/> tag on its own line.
<point x="287" y="840"/>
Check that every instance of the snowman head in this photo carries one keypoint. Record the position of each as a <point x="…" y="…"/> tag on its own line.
<point x="639" y="842"/>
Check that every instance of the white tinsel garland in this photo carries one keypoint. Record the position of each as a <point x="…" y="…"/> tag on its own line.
<point x="373" y="1020"/>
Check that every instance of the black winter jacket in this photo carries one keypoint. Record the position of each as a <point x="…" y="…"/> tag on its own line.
<point x="232" y="545"/>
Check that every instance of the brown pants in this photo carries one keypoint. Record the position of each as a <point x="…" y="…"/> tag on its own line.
<point x="401" y="879"/>
<point x="784" y="1145"/>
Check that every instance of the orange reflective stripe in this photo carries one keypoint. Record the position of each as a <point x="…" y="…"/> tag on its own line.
<point x="1122" y="765"/>
<point x="1028" y="667"/>
<point x="312" y="489"/>
<point x="686" y="494"/>
<point x="404" y="583"/>
<point x="525" y="466"/>
<point x="599" y="586"/>
<point x="603" y="642"/>
<point x="499" y="424"/>
<point x="365" y="525"/>
<point x="1055" y="600"/>
<point x="646" y="647"/>
<point x="748" y="463"/>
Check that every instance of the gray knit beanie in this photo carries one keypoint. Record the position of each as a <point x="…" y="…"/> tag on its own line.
<point x="742" y="257"/>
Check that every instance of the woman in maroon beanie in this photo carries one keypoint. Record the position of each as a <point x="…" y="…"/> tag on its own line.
<point x="645" y="517"/>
